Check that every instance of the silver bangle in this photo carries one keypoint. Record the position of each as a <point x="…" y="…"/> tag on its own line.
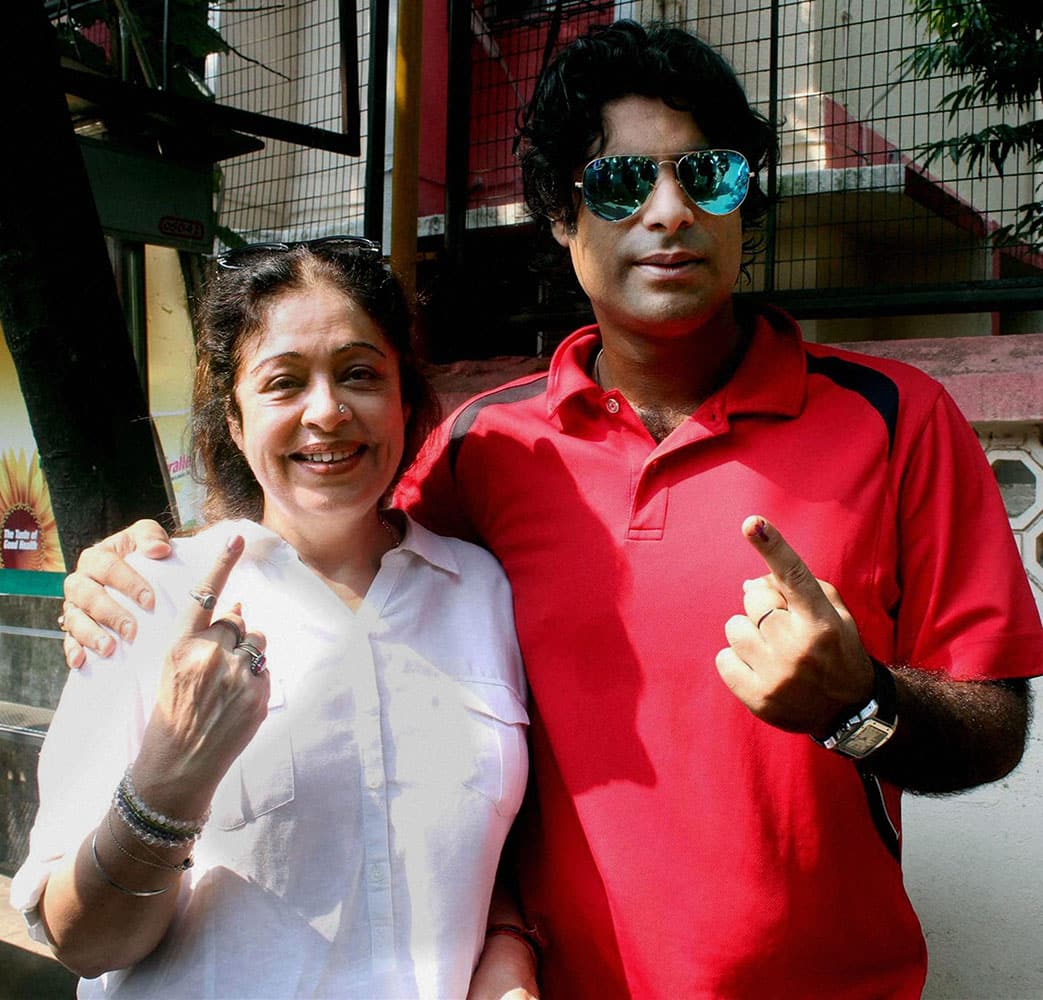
<point x="181" y="866"/>
<point x="115" y="885"/>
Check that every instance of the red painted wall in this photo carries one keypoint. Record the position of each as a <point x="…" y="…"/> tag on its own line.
<point x="504" y="66"/>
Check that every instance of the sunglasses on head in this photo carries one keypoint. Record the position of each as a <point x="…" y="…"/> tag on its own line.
<point x="615" y="187"/>
<point x="355" y="246"/>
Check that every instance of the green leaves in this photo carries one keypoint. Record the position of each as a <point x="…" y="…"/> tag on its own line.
<point x="140" y="22"/>
<point x="997" y="43"/>
<point x="995" y="49"/>
<point x="992" y="144"/>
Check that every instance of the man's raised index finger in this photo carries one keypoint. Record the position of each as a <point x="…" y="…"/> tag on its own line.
<point x="205" y="592"/>
<point x="794" y="579"/>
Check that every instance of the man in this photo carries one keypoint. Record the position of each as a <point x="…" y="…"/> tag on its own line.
<point x="717" y="822"/>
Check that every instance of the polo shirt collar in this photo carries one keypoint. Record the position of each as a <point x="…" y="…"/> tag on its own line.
<point x="770" y="379"/>
<point x="567" y="377"/>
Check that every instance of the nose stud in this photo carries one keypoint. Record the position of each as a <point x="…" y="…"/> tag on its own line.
<point x="342" y="408"/>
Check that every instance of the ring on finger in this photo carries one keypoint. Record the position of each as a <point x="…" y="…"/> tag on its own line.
<point x="61" y="622"/>
<point x="257" y="658"/>
<point x="763" y="617"/>
<point x="235" y="628"/>
<point x="204" y="598"/>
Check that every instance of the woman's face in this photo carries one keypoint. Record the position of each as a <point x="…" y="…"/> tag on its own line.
<point x="322" y="419"/>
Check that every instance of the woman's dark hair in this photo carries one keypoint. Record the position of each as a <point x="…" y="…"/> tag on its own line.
<point x="233" y="308"/>
<point x="561" y="128"/>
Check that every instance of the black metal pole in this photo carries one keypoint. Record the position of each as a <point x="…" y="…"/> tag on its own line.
<point x="458" y="132"/>
<point x="376" y="129"/>
<point x="165" y="68"/>
<point x="771" y="222"/>
<point x="349" y="66"/>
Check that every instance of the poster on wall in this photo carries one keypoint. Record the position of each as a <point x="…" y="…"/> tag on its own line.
<point x="31" y="560"/>
<point x="27" y="526"/>
<point x="30" y="554"/>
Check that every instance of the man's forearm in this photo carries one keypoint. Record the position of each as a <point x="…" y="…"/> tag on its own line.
<point x="953" y="735"/>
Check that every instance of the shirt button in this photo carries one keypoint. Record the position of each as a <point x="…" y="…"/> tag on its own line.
<point x="376" y="873"/>
<point x="612" y="405"/>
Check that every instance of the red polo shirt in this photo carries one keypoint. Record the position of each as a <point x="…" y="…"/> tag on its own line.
<point x="679" y="846"/>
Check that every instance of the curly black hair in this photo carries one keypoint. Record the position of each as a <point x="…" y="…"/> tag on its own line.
<point x="233" y="308"/>
<point x="561" y="128"/>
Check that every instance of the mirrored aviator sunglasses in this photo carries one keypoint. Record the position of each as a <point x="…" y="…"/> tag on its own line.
<point x="332" y="246"/>
<point x="615" y="187"/>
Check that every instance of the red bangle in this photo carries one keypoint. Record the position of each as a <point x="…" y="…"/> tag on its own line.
<point x="523" y="934"/>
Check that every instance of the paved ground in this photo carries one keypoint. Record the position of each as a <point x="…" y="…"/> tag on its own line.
<point x="27" y="970"/>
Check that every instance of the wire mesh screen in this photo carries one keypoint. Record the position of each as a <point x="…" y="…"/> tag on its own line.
<point x="858" y="209"/>
<point x="286" y="61"/>
<point x="512" y="42"/>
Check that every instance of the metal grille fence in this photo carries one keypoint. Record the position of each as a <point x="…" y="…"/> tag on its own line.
<point x="858" y="215"/>
<point x="861" y="227"/>
<point x="286" y="62"/>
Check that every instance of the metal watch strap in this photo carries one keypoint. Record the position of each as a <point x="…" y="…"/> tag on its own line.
<point x="867" y="729"/>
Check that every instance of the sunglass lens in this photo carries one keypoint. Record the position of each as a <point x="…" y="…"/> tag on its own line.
<point x="615" y="187"/>
<point x="715" y="179"/>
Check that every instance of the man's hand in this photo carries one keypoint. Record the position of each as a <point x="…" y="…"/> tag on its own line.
<point x="506" y="971"/>
<point x="87" y="606"/>
<point x="794" y="659"/>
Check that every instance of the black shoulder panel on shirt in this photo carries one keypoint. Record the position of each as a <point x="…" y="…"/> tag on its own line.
<point x="879" y="391"/>
<point x="468" y="415"/>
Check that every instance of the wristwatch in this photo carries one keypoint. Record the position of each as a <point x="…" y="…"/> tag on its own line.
<point x="870" y="727"/>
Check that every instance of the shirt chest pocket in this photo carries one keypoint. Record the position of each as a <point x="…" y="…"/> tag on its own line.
<point x="498" y="722"/>
<point x="261" y="778"/>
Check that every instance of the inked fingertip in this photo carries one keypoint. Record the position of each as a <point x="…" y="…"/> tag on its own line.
<point x="755" y="528"/>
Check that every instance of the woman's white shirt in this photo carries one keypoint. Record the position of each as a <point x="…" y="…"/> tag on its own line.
<point x="352" y="847"/>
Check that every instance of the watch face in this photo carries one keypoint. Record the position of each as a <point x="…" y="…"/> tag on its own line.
<point x="871" y="734"/>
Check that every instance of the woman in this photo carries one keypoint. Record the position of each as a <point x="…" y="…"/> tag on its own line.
<point x="299" y="780"/>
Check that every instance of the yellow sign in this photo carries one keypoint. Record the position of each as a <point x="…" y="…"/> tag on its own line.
<point x="28" y="533"/>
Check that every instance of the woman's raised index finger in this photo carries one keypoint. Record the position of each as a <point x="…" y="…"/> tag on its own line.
<point x="205" y="592"/>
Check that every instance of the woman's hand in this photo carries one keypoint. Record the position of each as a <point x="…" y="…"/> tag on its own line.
<point x="213" y="696"/>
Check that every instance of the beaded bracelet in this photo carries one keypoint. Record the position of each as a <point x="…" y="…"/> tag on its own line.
<point x="141" y="828"/>
<point x="187" y="828"/>
<point x="115" y="885"/>
<point x="523" y="934"/>
<point x="150" y="826"/>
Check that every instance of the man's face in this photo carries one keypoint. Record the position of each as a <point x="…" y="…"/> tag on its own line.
<point x="670" y="267"/>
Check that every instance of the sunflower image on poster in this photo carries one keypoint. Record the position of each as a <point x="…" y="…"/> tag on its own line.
<point x="27" y="528"/>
